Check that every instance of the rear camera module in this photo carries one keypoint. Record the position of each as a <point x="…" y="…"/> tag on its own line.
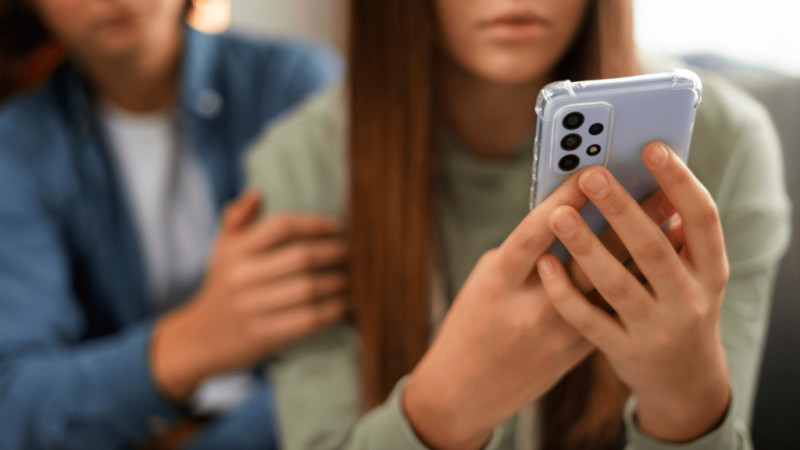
<point x="573" y="120"/>
<point x="569" y="163"/>
<point x="571" y="141"/>
<point x="593" y="150"/>
<point x="596" y="129"/>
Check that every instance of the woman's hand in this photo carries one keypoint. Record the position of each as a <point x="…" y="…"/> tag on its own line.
<point x="665" y="342"/>
<point x="269" y="283"/>
<point x="500" y="346"/>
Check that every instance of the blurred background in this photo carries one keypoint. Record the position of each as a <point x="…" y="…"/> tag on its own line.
<point x="754" y="44"/>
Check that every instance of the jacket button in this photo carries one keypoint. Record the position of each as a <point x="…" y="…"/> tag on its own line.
<point x="208" y="103"/>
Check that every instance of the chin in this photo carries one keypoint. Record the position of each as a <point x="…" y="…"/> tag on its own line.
<point x="120" y="43"/>
<point x="511" y="69"/>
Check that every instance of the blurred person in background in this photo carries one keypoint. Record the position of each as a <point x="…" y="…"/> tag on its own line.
<point x="467" y="333"/>
<point x="118" y="324"/>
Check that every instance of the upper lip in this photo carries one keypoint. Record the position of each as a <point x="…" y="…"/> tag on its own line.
<point x="515" y="16"/>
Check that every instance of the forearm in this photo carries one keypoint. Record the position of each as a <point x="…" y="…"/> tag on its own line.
<point x="98" y="394"/>
<point x="319" y="405"/>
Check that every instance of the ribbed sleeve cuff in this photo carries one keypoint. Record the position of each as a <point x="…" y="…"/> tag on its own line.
<point x="390" y="425"/>
<point x="730" y="434"/>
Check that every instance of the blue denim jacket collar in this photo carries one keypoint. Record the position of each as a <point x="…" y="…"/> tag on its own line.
<point x="196" y="84"/>
<point x="199" y="108"/>
<point x="200" y="104"/>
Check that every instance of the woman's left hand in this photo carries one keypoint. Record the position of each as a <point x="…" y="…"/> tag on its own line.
<point x="664" y="342"/>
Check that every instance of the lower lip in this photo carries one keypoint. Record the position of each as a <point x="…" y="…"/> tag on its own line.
<point x="122" y="20"/>
<point x="515" y="31"/>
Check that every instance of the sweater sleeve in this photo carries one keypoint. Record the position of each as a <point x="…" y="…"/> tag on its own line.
<point x="299" y="166"/>
<point x="319" y="400"/>
<point x="754" y="210"/>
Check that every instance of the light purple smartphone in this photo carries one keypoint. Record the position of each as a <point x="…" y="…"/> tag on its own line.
<point x="608" y="123"/>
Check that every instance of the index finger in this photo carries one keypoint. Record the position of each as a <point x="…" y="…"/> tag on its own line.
<point x="702" y="227"/>
<point x="283" y="227"/>
<point x="532" y="237"/>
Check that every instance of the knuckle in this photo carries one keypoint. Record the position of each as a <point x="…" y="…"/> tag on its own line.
<point x="491" y="264"/>
<point x="523" y="324"/>
<point x="229" y="212"/>
<point x="566" y="337"/>
<point x="585" y="325"/>
<point x="724" y="274"/>
<point x="655" y="251"/>
<point x="710" y="215"/>
<point x="495" y="284"/>
<point x="529" y="241"/>
<point x="580" y="244"/>
<point x="558" y="292"/>
<point x="309" y="288"/>
<point x="696" y="313"/>
<point x="619" y="204"/>
<point x="316" y="319"/>
<point x="488" y="259"/>
<point x="662" y="337"/>
<point x="489" y="256"/>
<point x="616" y="289"/>
<point x="281" y="226"/>
<point x="678" y="174"/>
<point x="303" y="257"/>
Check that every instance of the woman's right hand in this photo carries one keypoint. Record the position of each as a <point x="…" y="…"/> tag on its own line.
<point x="502" y="345"/>
<point x="269" y="283"/>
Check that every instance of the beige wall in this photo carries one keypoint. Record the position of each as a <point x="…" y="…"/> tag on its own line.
<point x="317" y="19"/>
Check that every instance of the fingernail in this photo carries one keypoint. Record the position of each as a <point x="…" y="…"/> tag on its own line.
<point x="565" y="224"/>
<point x="545" y="269"/>
<point x="596" y="184"/>
<point x="659" y="155"/>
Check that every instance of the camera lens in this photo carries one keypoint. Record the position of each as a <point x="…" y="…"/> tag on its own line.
<point x="596" y="129"/>
<point x="593" y="150"/>
<point x="569" y="163"/>
<point x="573" y="120"/>
<point x="571" y="141"/>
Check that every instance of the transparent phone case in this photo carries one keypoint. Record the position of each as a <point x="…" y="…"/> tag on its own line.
<point x="618" y="118"/>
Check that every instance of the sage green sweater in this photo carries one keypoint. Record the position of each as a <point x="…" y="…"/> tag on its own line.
<point x="300" y="165"/>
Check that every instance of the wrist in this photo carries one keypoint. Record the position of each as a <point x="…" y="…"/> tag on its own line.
<point x="436" y="422"/>
<point x="685" y="417"/>
<point x="176" y="364"/>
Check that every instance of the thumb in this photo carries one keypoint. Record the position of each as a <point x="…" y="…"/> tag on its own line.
<point x="240" y="211"/>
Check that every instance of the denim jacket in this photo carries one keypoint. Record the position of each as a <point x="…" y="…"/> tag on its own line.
<point x="75" y="318"/>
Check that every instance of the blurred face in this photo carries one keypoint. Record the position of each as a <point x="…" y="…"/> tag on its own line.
<point x="509" y="41"/>
<point x="109" y="27"/>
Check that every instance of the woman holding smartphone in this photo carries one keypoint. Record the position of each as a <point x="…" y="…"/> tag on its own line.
<point x="467" y="334"/>
<point x="118" y="323"/>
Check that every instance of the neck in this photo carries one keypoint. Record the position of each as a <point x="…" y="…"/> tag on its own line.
<point x="490" y="119"/>
<point x="141" y="81"/>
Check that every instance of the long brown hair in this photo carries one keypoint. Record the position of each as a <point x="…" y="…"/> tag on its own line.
<point x="391" y="177"/>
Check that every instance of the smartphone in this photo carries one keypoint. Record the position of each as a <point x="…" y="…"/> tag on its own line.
<point x="608" y="123"/>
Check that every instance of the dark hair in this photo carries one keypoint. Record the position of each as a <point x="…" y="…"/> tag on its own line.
<point x="23" y="37"/>
<point x="392" y="176"/>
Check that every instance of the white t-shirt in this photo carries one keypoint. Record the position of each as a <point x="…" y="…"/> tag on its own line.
<point x="171" y="202"/>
